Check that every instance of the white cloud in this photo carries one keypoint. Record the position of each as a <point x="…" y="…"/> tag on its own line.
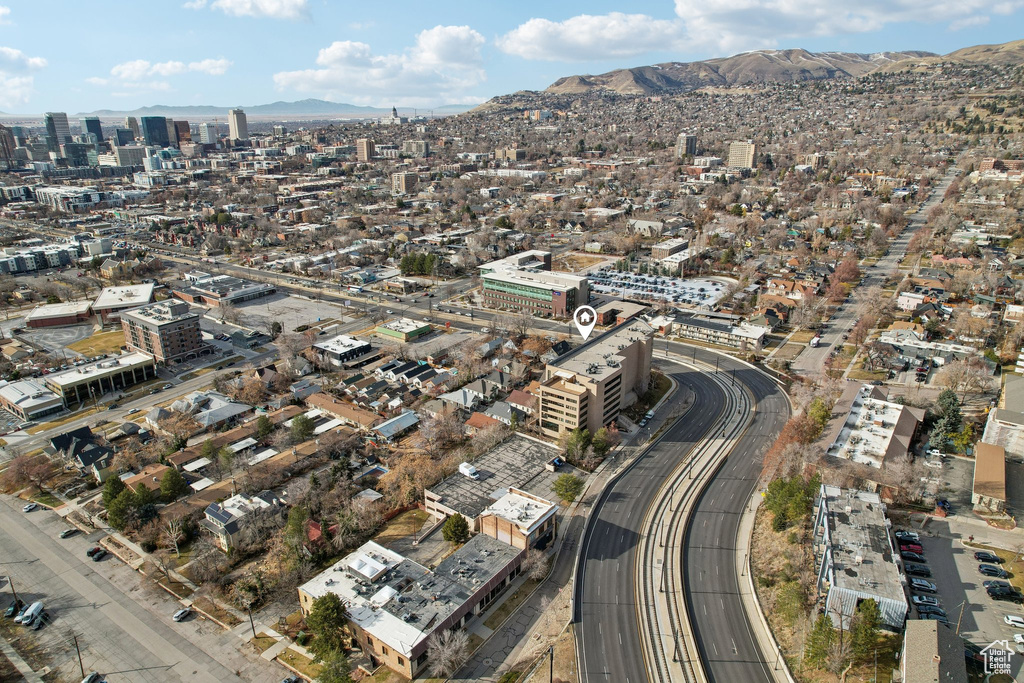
<point x="93" y="80"/>
<point x="273" y="9"/>
<point x="734" y="25"/>
<point x="16" y="85"/>
<point x="139" y="69"/>
<point x="967" y="22"/>
<point x="587" y="37"/>
<point x="4" y="11"/>
<point x="443" y="64"/>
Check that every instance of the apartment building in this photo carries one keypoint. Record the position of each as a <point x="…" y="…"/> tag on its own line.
<point x="365" y="149"/>
<point x="742" y="154"/>
<point x="168" y="331"/>
<point x="590" y="385"/>
<point x="403" y="183"/>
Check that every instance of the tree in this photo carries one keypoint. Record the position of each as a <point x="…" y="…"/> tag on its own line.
<point x="112" y="489"/>
<point x="120" y="509"/>
<point x="172" y="531"/>
<point x="602" y="442"/>
<point x="819" y="641"/>
<point x="335" y="668"/>
<point x="847" y="270"/>
<point x="27" y="469"/>
<point x="264" y="427"/>
<point x="302" y="428"/>
<point x="575" y="444"/>
<point x="173" y="485"/>
<point x="327" y="621"/>
<point x="455" y="529"/>
<point x="275" y="329"/>
<point x="864" y="628"/>
<point x="535" y="564"/>
<point x="567" y="487"/>
<point x="447" y="651"/>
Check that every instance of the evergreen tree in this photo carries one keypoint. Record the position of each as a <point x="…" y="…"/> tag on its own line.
<point x="864" y="628"/>
<point x="302" y="428"/>
<point x="119" y="510"/>
<point x="455" y="529"/>
<point x="112" y="489"/>
<point x="173" y="485"/>
<point x="818" y="642"/>
<point x="264" y="427"/>
<point x="326" y="621"/>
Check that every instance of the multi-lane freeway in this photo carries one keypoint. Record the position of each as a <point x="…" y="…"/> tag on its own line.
<point x="609" y="646"/>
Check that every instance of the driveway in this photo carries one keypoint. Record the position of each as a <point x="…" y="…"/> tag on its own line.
<point x="123" y="626"/>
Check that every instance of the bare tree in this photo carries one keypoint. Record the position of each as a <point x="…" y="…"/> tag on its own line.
<point x="447" y="651"/>
<point x="535" y="564"/>
<point x="172" y="532"/>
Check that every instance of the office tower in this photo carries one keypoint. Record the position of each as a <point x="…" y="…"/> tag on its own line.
<point x="57" y="130"/>
<point x="686" y="145"/>
<point x="132" y="124"/>
<point x="129" y="156"/>
<point x="77" y="153"/>
<point x="6" y="144"/>
<point x="238" y="128"/>
<point x="208" y="133"/>
<point x="364" y="149"/>
<point x="182" y="131"/>
<point x="91" y="124"/>
<point x="154" y="131"/>
<point x="172" y="132"/>
<point x="122" y="136"/>
<point x="280" y="131"/>
<point x="742" y="154"/>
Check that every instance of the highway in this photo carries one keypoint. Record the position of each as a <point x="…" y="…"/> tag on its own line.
<point x="724" y="638"/>
<point x="605" y="611"/>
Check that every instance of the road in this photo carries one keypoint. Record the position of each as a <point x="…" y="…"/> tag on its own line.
<point x="607" y="637"/>
<point x="125" y="631"/>
<point x="717" y="615"/>
<point x="811" y="360"/>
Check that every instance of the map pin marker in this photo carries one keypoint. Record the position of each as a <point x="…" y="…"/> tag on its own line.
<point x="585" y="318"/>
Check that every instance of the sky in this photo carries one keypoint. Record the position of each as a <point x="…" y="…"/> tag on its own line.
<point x="65" y="55"/>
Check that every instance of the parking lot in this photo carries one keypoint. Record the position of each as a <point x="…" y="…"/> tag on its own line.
<point x="56" y="339"/>
<point x="704" y="292"/>
<point x="962" y="595"/>
<point x="290" y="311"/>
<point x="122" y="623"/>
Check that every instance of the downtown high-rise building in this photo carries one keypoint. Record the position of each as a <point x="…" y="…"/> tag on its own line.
<point x="364" y="149"/>
<point x="686" y="145"/>
<point x="208" y="133"/>
<point x="132" y="124"/>
<point x="238" y="126"/>
<point x="182" y="131"/>
<point x="122" y="136"/>
<point x="154" y="131"/>
<point x="742" y="154"/>
<point x="7" y="144"/>
<point x="58" y="131"/>
<point x="91" y="124"/>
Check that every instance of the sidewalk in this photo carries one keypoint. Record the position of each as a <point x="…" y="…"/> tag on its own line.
<point x="960" y="527"/>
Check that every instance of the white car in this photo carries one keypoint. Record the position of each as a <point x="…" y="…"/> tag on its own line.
<point x="1018" y="637"/>
<point x="1014" y="620"/>
<point x="182" y="613"/>
<point x="925" y="600"/>
<point x="133" y="411"/>
<point x="934" y="464"/>
<point x="934" y="451"/>
<point x="30" y="507"/>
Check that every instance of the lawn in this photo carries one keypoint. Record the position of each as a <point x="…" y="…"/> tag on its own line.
<point x="409" y="522"/>
<point x="98" y="344"/>
<point x="802" y="336"/>
<point x="263" y="642"/>
<point x="573" y="263"/>
<point x="216" y="611"/>
<point x="510" y="604"/>
<point x="300" y="663"/>
<point x="42" y="427"/>
<point x="48" y="499"/>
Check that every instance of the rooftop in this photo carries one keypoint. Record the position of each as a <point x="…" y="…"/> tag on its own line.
<point x="124" y="297"/>
<point x="875" y="429"/>
<point x="404" y="325"/>
<point x="523" y="510"/>
<point x="990" y="471"/>
<point x="341" y="344"/>
<point x="600" y="356"/>
<point x="162" y="312"/>
<point x="91" y="371"/>
<point x="59" y="310"/>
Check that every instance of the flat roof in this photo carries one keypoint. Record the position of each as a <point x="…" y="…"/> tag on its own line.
<point x="163" y="312"/>
<point x="59" y="310"/>
<point x="599" y="357"/>
<point x="542" y="279"/>
<point x="27" y="393"/>
<point x="124" y="297"/>
<point x="404" y="325"/>
<point x="341" y="344"/>
<point x="512" y="463"/>
<point x="91" y="371"/>
<point x="524" y="511"/>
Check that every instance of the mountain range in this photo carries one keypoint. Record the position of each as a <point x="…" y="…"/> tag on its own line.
<point x="778" y="66"/>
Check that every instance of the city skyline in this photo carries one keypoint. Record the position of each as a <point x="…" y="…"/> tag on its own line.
<point x="247" y="52"/>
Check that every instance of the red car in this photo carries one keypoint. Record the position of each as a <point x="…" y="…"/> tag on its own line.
<point x="911" y="547"/>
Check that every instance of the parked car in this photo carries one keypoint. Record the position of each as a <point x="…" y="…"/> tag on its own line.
<point x="68" y="532"/>
<point x="934" y="451"/>
<point x="911" y="536"/>
<point x="13" y="609"/>
<point x="912" y="547"/>
<point x="986" y="556"/>
<point x="30" y="507"/>
<point x="99" y="556"/>
<point x="1014" y="620"/>
<point x="996" y="583"/>
<point x="917" y="569"/>
<point x="912" y="556"/>
<point x="168" y="386"/>
<point x="925" y="600"/>
<point x="1008" y="594"/>
<point x="944" y="504"/>
<point x="992" y="570"/>
<point x="92" y="551"/>
<point x="934" y="617"/>
<point x="182" y="613"/>
<point x="134" y="411"/>
<point x="93" y="677"/>
<point x="934" y="464"/>
<point x="931" y="609"/>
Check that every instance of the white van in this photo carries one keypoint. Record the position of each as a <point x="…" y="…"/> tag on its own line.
<point x="33" y="611"/>
<point x="468" y="470"/>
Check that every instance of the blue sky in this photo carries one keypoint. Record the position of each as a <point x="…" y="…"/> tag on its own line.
<point x="64" y="55"/>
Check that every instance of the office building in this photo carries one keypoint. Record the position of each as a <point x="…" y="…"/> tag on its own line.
<point x="132" y="124"/>
<point x="341" y="349"/>
<point x="365" y="150"/>
<point x="154" y="131"/>
<point x="238" y="127"/>
<point x="524" y="282"/>
<point x="132" y="155"/>
<point x="58" y="131"/>
<point x="590" y="385"/>
<point x="29" y="399"/>
<point x="78" y="154"/>
<point x="686" y="145"/>
<point x="280" y="131"/>
<point x="855" y="557"/>
<point x="416" y="148"/>
<point x="172" y="132"/>
<point x="213" y="290"/>
<point x="182" y="131"/>
<point x="394" y="604"/>
<point x="511" y="154"/>
<point x="167" y="330"/>
<point x="7" y="144"/>
<point x="404" y="329"/>
<point x="92" y="380"/>
<point x="122" y="136"/>
<point x="742" y="154"/>
<point x="208" y="133"/>
<point x="91" y="124"/>
<point x="403" y="183"/>
<point x="112" y="301"/>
